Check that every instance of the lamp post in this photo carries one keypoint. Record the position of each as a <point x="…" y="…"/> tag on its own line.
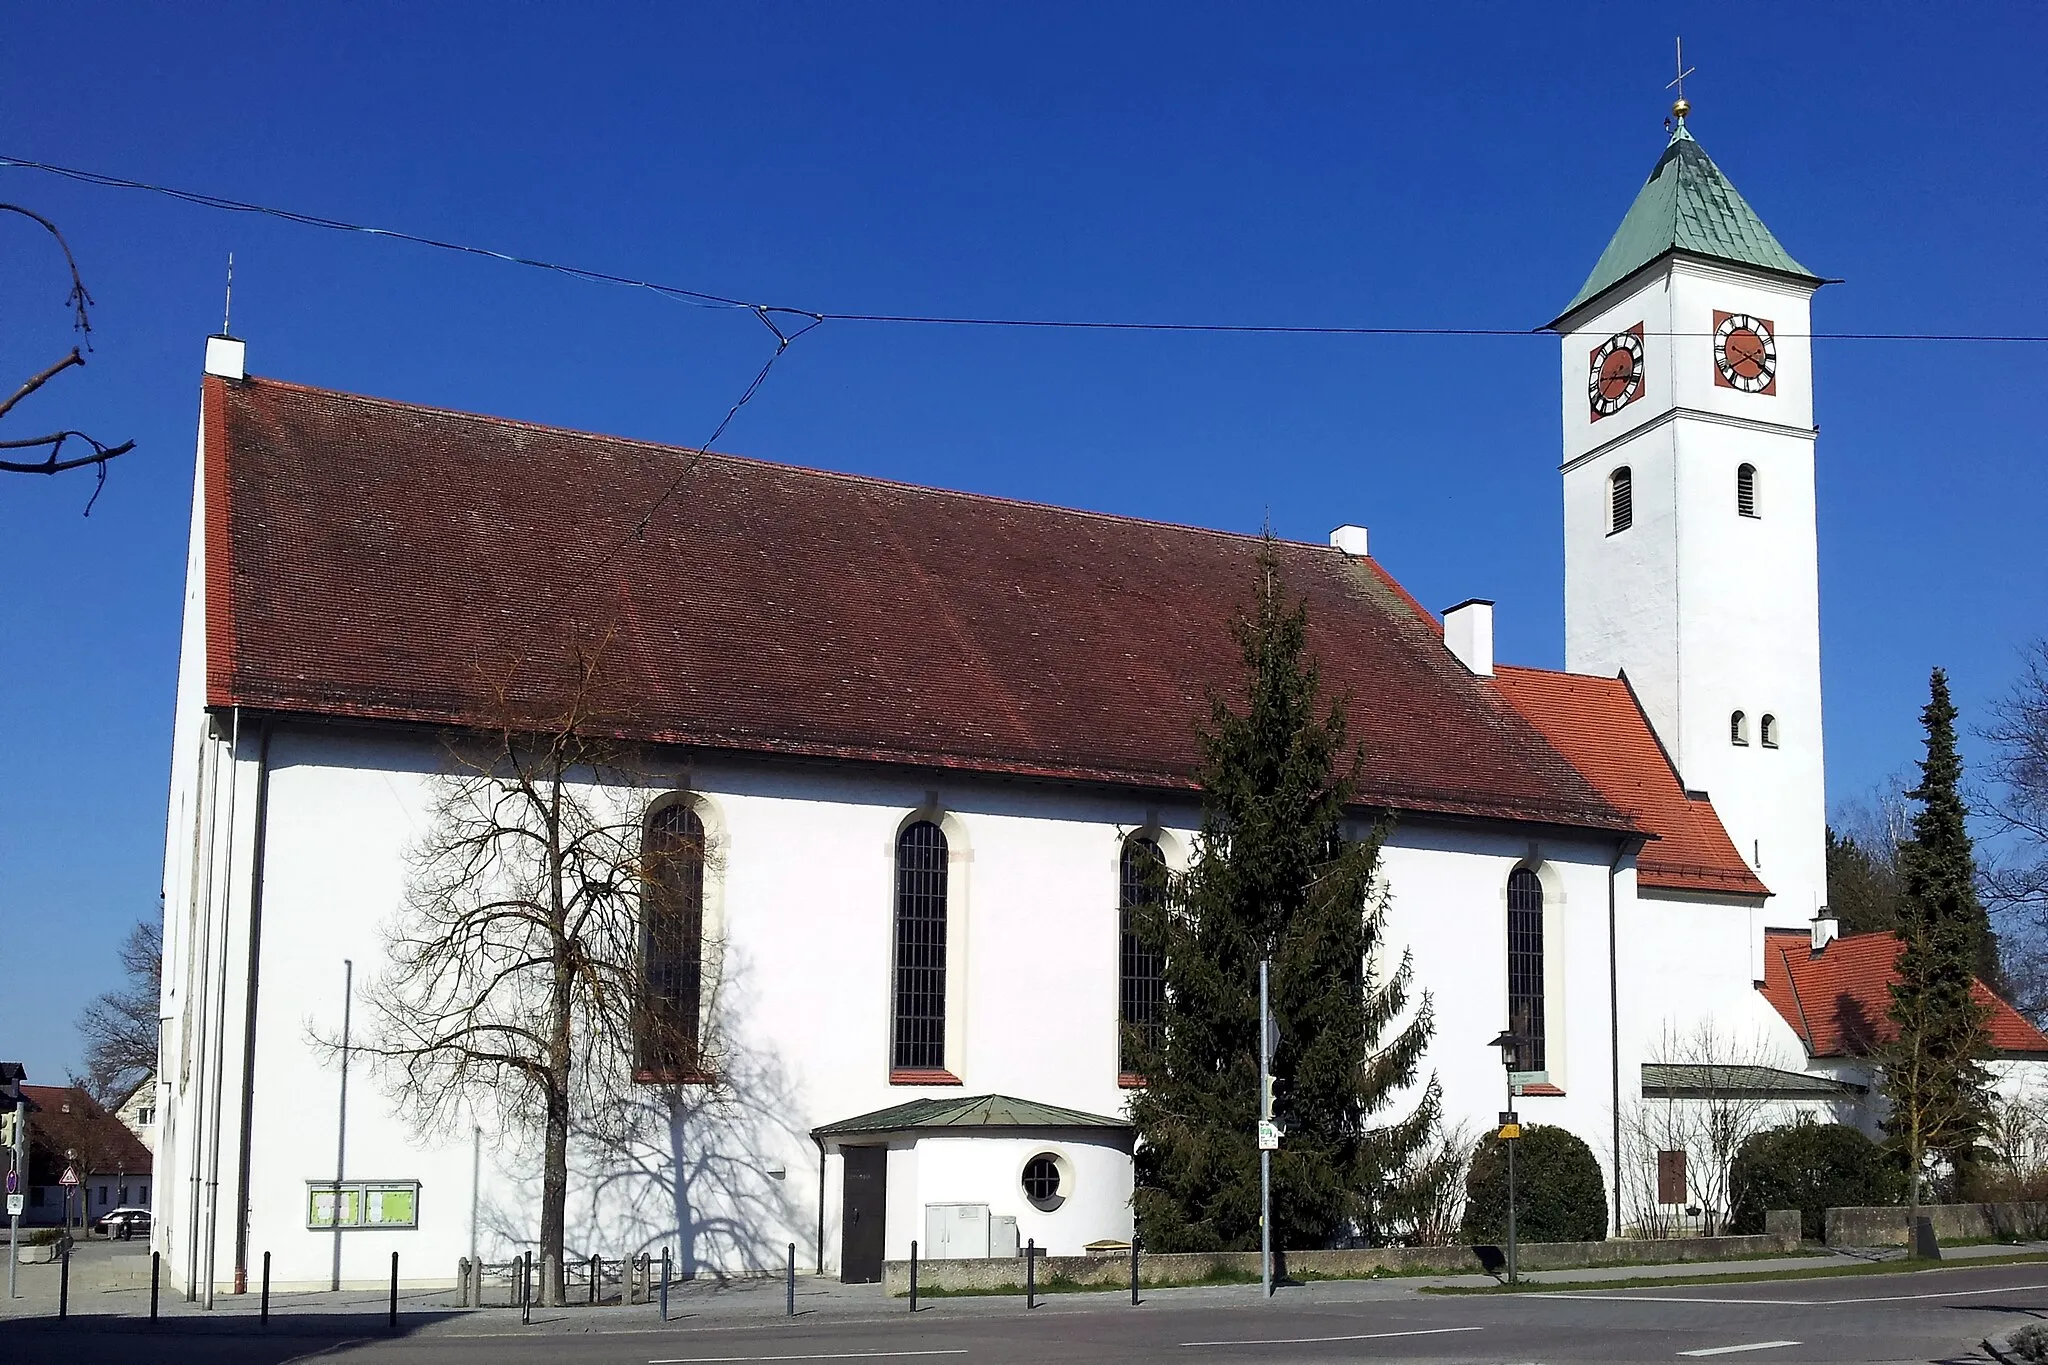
<point x="1510" y="1045"/>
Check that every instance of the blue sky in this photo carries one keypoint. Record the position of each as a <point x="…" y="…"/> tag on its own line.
<point x="1435" y="166"/>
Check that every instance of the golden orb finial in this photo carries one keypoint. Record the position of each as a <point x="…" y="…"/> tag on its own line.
<point x="1680" y="108"/>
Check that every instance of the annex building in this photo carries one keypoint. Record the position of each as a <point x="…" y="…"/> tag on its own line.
<point x="922" y="736"/>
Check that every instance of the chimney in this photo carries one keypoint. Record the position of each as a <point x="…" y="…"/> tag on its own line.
<point x="1468" y="633"/>
<point x="1826" y="928"/>
<point x="1349" y="539"/>
<point x="227" y="357"/>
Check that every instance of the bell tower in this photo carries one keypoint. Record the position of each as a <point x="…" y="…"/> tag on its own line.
<point x="1691" y="563"/>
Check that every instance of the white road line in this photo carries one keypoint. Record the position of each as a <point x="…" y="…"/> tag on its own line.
<point x="1731" y="1350"/>
<point x="1688" y="1298"/>
<point x="1359" y="1336"/>
<point x="834" y="1355"/>
<point x="1937" y="1294"/>
<point x="1609" y="1296"/>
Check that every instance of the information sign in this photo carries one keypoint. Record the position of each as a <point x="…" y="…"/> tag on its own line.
<point x="1269" y="1136"/>
<point x="14" y="1204"/>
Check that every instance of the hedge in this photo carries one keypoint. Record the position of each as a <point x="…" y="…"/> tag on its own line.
<point x="1812" y="1167"/>
<point x="1560" y="1195"/>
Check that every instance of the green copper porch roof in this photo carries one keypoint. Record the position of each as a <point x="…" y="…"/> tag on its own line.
<point x="1687" y="205"/>
<point x="966" y="1111"/>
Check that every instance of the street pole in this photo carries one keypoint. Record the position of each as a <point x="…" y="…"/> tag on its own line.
<point x="1509" y="1143"/>
<point x="1265" y="1115"/>
<point x="18" y="1163"/>
<point x="348" y="991"/>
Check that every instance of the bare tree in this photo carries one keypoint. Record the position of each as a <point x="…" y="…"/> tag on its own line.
<point x="1716" y="1099"/>
<point x="120" y="1025"/>
<point x="521" y="980"/>
<point x="2014" y="803"/>
<point x="53" y="443"/>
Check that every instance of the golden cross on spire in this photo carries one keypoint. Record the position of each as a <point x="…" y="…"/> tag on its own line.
<point x="1679" y="106"/>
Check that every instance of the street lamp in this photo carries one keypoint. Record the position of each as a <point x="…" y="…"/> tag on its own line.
<point x="1510" y="1045"/>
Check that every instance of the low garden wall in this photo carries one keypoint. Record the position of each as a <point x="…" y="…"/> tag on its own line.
<point x="1007" y="1272"/>
<point x="1887" y="1226"/>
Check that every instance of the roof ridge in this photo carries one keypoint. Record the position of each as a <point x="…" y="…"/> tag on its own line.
<point x="847" y="476"/>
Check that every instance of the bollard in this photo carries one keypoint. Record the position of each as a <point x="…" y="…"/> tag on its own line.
<point x="394" y="1291"/>
<point x="596" y="1272"/>
<point x="664" y="1284"/>
<point x="789" y="1300"/>
<point x="1134" y="1270"/>
<point x="525" y="1264"/>
<point x="1031" y="1273"/>
<point x="156" y="1266"/>
<point x="64" y="1283"/>
<point x="264" y="1315"/>
<point x="913" y="1277"/>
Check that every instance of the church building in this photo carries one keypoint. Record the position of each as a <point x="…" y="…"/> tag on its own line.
<point x="922" y="741"/>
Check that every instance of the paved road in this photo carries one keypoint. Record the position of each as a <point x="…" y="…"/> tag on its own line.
<point x="1930" y="1316"/>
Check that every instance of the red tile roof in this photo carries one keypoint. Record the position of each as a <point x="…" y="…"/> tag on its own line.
<point x="66" y="1119"/>
<point x="1598" y="724"/>
<point x="377" y="560"/>
<point x="1839" y="999"/>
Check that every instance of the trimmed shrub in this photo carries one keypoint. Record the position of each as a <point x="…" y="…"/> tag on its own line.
<point x="1812" y="1167"/>
<point x="1560" y="1195"/>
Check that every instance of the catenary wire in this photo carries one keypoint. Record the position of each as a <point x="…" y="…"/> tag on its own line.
<point x="706" y="299"/>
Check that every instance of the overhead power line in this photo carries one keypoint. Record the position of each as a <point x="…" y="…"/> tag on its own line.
<point x="812" y="317"/>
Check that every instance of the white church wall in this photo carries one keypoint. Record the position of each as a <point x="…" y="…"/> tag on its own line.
<point x="1095" y="1187"/>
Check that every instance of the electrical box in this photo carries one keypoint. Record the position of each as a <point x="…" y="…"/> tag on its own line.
<point x="955" y="1232"/>
<point x="1002" y="1235"/>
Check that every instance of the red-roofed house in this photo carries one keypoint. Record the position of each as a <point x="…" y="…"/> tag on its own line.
<point x="921" y="734"/>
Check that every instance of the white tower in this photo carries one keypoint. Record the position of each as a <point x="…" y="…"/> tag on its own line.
<point x="1690" y="556"/>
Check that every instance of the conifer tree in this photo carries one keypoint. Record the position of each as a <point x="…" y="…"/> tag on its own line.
<point x="1933" y="1075"/>
<point x="1275" y="875"/>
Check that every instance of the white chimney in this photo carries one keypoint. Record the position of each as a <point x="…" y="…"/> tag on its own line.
<point x="1468" y="633"/>
<point x="1349" y="539"/>
<point x="227" y="357"/>
<point x="1826" y="928"/>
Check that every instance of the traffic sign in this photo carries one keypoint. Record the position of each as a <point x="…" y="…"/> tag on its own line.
<point x="1510" y="1131"/>
<point x="13" y="1181"/>
<point x="14" y="1203"/>
<point x="1269" y="1136"/>
<point x="70" y="1176"/>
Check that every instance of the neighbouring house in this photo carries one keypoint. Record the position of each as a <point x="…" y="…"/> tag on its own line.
<point x="71" y="1131"/>
<point x="137" y="1109"/>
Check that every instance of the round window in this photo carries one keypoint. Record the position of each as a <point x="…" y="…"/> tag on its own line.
<point x="1044" y="1182"/>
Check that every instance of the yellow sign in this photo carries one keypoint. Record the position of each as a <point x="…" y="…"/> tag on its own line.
<point x="1509" y="1131"/>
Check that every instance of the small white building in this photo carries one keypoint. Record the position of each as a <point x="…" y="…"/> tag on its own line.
<point x="921" y="731"/>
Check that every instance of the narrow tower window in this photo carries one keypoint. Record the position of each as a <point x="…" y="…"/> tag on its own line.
<point x="1621" y="503"/>
<point x="1525" y="969"/>
<point x="671" y="943"/>
<point x="1738" y="728"/>
<point x="1767" y="731"/>
<point x="1141" y="992"/>
<point x="920" y="1026"/>
<point x="1745" y="490"/>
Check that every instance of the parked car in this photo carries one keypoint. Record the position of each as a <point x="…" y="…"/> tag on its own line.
<point x="123" y="1222"/>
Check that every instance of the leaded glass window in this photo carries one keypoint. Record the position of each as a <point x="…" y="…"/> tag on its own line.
<point x="1141" y="968"/>
<point x="671" y="942"/>
<point x="1525" y="969"/>
<point x="920" y="1029"/>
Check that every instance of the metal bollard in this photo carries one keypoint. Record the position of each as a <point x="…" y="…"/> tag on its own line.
<point x="1031" y="1273"/>
<point x="64" y="1283"/>
<point x="789" y="1300"/>
<point x="664" y="1284"/>
<point x="525" y="1264"/>
<point x="156" y="1267"/>
<point x="913" y="1277"/>
<point x="596" y="1273"/>
<point x="264" y="1314"/>
<point x="1134" y="1270"/>
<point x="394" y="1290"/>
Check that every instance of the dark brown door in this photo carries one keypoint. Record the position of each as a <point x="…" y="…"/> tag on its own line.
<point x="867" y="1177"/>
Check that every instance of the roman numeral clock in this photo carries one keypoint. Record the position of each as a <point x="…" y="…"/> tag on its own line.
<point x="1745" y="353"/>
<point x="1616" y="377"/>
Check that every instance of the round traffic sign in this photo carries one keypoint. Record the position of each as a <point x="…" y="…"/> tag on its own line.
<point x="14" y="1182"/>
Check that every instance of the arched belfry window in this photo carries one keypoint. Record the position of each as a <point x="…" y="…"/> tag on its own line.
<point x="1767" y="732"/>
<point x="1141" y="968"/>
<point x="919" y="1041"/>
<point x="671" y="944"/>
<point x="1738" y="728"/>
<point x="1621" y="500"/>
<point x="1745" y="491"/>
<point x="1525" y="969"/>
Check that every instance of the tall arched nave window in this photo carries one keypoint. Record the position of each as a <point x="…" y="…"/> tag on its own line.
<point x="671" y="944"/>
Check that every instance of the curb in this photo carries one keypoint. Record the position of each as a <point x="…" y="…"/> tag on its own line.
<point x="1999" y="1345"/>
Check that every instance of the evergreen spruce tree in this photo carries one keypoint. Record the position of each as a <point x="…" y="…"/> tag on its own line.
<point x="1274" y="875"/>
<point x="1933" y="1073"/>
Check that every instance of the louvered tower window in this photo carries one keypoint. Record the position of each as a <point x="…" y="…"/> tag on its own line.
<point x="1525" y="969"/>
<point x="1767" y="731"/>
<point x="1621" y="502"/>
<point x="1141" y="969"/>
<point x="1745" y="490"/>
<point x="1738" y="728"/>
<point x="671" y="943"/>
<point x="920" y="1030"/>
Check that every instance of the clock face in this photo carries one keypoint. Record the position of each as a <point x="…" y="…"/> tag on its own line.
<point x="1616" y="378"/>
<point x="1745" y="353"/>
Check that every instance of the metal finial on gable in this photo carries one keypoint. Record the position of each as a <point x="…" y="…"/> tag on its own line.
<point x="1680" y="107"/>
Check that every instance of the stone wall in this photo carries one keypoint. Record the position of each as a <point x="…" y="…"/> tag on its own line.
<point x="1006" y="1273"/>
<point x="1887" y="1226"/>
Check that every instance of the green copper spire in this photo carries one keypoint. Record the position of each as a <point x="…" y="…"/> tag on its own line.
<point x="1687" y="205"/>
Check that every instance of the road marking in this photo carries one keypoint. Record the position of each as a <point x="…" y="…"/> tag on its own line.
<point x="1609" y="1296"/>
<point x="833" y="1355"/>
<point x="1359" y="1336"/>
<point x="1937" y="1294"/>
<point x="1731" y="1350"/>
